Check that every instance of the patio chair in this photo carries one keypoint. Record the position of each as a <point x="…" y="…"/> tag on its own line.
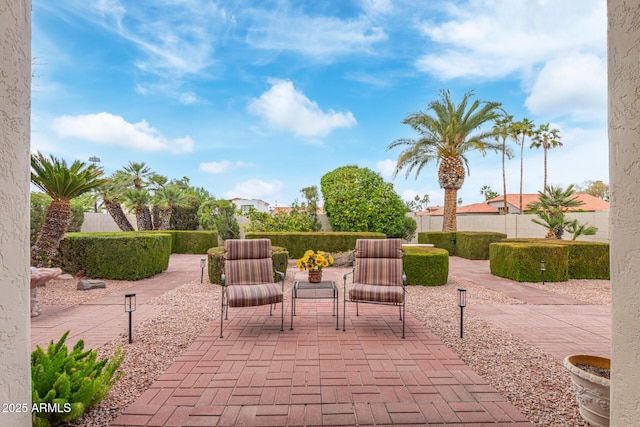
<point x="377" y="276"/>
<point x="248" y="278"/>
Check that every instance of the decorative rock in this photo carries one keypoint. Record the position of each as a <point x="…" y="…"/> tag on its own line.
<point x="85" y="285"/>
<point x="65" y="276"/>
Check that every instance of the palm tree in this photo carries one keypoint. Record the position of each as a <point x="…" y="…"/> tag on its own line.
<point x="168" y="197"/>
<point x="546" y="138"/>
<point x="501" y="129"/>
<point x="445" y="137"/>
<point x="111" y="193"/>
<point x="62" y="183"/>
<point x="138" y="201"/>
<point x="157" y="182"/>
<point x="551" y="206"/>
<point x="524" y="128"/>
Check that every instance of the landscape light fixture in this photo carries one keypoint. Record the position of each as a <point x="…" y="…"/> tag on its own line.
<point x="542" y="270"/>
<point x="462" y="302"/>
<point x="203" y="263"/>
<point x="130" y="307"/>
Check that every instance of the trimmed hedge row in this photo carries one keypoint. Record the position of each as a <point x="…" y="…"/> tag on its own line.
<point x="215" y="262"/>
<point x="297" y="243"/>
<point x="190" y="241"/>
<point x="118" y="255"/>
<point x="465" y="244"/>
<point x="425" y="266"/>
<point x="519" y="259"/>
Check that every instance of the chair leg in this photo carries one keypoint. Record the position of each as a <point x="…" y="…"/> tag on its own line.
<point x="282" y="316"/>
<point x="403" y="316"/>
<point x="357" y="312"/>
<point x="400" y="310"/>
<point x="222" y="313"/>
<point x="270" y="309"/>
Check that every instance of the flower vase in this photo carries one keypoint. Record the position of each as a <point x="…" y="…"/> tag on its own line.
<point x="315" y="276"/>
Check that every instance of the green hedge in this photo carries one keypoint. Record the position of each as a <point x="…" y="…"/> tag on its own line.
<point x="119" y="255"/>
<point x="475" y="244"/>
<point x="425" y="266"/>
<point x="190" y="241"/>
<point x="520" y="261"/>
<point x="587" y="260"/>
<point x="298" y="243"/>
<point x="439" y="239"/>
<point x="215" y="257"/>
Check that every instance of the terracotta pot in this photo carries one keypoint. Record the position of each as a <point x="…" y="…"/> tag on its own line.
<point x="315" y="276"/>
<point x="592" y="391"/>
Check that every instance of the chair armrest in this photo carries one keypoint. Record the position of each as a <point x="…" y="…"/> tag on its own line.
<point x="279" y="273"/>
<point x="223" y="278"/>
<point x="404" y="279"/>
<point x="346" y="274"/>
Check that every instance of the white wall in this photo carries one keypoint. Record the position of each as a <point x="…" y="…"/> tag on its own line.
<point x="15" y="92"/>
<point x="103" y="222"/>
<point x="516" y="225"/>
<point x="624" y="181"/>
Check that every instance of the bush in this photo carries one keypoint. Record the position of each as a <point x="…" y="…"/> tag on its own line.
<point x="440" y="239"/>
<point x="425" y="266"/>
<point x="128" y="255"/>
<point x="475" y="244"/>
<point x="358" y="199"/>
<point x="191" y="242"/>
<point x="72" y="383"/>
<point x="520" y="261"/>
<point x="215" y="263"/>
<point x="298" y="243"/>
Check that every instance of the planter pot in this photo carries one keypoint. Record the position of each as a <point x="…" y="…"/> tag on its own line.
<point x="315" y="276"/>
<point x="592" y="391"/>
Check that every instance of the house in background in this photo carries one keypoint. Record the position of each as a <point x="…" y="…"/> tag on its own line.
<point x="244" y="205"/>
<point x="496" y="205"/>
<point x="590" y="203"/>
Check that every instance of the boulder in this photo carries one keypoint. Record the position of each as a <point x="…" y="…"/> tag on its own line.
<point x="85" y="285"/>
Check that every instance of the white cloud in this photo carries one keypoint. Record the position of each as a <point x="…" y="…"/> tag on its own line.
<point x="286" y="108"/>
<point x="575" y="85"/>
<point x="220" y="167"/>
<point x="255" y="189"/>
<point x="109" y="129"/>
<point x="386" y="167"/>
<point x="319" y="37"/>
<point x="494" y="38"/>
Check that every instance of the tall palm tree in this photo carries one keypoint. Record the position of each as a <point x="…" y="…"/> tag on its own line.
<point x="157" y="182"/>
<point x="523" y="128"/>
<point x="62" y="183"/>
<point x="446" y="135"/>
<point x="138" y="174"/>
<point x="112" y="193"/>
<point x="547" y="139"/>
<point x="501" y="128"/>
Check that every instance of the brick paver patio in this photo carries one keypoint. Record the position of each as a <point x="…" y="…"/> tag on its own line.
<point x="315" y="375"/>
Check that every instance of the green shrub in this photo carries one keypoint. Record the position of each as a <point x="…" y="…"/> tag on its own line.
<point x="358" y="199"/>
<point x="440" y="239"/>
<point x="215" y="263"/>
<point x="425" y="266"/>
<point x="119" y="255"/>
<point x="191" y="241"/>
<point x="297" y="243"/>
<point x="520" y="261"/>
<point x="69" y="383"/>
<point x="587" y="260"/>
<point x="475" y="244"/>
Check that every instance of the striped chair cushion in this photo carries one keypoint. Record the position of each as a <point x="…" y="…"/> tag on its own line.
<point x="247" y="249"/>
<point x="246" y="296"/>
<point x="378" y="248"/>
<point x="378" y="271"/>
<point x="385" y="294"/>
<point x="248" y="271"/>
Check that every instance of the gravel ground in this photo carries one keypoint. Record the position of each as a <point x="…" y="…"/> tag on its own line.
<point x="537" y="384"/>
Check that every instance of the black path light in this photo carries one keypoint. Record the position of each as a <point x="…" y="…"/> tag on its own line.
<point x="203" y="263"/>
<point x="130" y="307"/>
<point x="462" y="302"/>
<point x="542" y="270"/>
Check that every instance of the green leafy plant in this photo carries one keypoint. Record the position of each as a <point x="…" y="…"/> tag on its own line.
<point x="64" y="385"/>
<point x="295" y="219"/>
<point x="576" y="229"/>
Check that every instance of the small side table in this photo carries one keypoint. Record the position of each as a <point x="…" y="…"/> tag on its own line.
<point x="321" y="290"/>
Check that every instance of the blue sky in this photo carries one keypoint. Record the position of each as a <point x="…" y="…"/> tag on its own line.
<point x="258" y="99"/>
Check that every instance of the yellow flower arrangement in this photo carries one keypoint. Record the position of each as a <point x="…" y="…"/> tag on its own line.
<point x="314" y="261"/>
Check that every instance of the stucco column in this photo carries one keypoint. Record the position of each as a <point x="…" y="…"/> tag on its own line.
<point x="15" y="95"/>
<point x="624" y="169"/>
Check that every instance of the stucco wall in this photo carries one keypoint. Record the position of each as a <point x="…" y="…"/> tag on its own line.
<point x="15" y="92"/>
<point x="624" y="168"/>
